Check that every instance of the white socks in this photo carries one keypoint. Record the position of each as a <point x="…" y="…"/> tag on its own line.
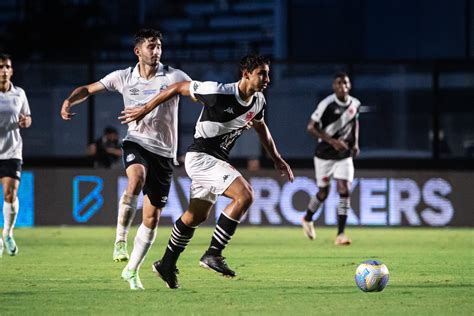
<point x="10" y="212"/>
<point x="126" y="214"/>
<point x="143" y="241"/>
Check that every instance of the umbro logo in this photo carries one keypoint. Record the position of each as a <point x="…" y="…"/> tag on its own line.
<point x="229" y="110"/>
<point x="225" y="177"/>
<point x="134" y="91"/>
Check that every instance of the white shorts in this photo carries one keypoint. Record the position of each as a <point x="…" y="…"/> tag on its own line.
<point x="210" y="176"/>
<point x="338" y="169"/>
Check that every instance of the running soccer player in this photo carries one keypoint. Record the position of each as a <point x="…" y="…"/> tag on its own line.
<point x="149" y="148"/>
<point x="228" y="110"/>
<point x="335" y="125"/>
<point x="15" y="114"/>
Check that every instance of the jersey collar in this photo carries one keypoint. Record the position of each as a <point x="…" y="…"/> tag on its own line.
<point x="349" y="100"/>
<point x="159" y="72"/>
<point x="239" y="99"/>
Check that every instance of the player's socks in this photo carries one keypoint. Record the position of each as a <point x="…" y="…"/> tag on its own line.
<point x="313" y="206"/>
<point x="143" y="241"/>
<point x="126" y="214"/>
<point x="10" y="212"/>
<point x="225" y="229"/>
<point x="342" y="209"/>
<point x="179" y="239"/>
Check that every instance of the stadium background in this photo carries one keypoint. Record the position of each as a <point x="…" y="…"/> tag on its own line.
<point x="411" y="63"/>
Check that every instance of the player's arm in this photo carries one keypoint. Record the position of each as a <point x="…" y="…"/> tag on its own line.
<point x="356" y="149"/>
<point x="314" y="130"/>
<point x="131" y="114"/>
<point x="79" y="95"/>
<point x="268" y="144"/>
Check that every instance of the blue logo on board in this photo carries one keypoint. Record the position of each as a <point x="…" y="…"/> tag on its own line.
<point x="84" y="209"/>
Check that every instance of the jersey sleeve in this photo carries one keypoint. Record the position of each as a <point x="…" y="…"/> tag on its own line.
<point x="318" y="113"/>
<point x="205" y="92"/>
<point x="260" y="115"/>
<point x="115" y="80"/>
<point x="179" y="75"/>
<point x="25" y="106"/>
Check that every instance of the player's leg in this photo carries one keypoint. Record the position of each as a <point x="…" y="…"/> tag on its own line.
<point x="344" y="174"/>
<point x="242" y="197"/>
<point x="11" y="206"/>
<point x="323" y="172"/>
<point x="146" y="235"/>
<point x="183" y="231"/>
<point x="136" y="170"/>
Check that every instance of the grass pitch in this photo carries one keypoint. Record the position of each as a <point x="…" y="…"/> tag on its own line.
<point x="70" y="271"/>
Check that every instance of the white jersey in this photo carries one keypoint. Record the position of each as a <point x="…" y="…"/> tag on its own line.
<point x="12" y="104"/>
<point x="157" y="132"/>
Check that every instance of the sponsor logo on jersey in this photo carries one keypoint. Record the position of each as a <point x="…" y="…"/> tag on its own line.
<point x="130" y="157"/>
<point x="149" y="91"/>
<point x="229" y="110"/>
<point x="134" y="91"/>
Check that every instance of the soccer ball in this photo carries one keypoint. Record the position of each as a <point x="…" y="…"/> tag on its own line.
<point x="371" y="276"/>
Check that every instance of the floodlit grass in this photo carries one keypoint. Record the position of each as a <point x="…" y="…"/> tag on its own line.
<point x="68" y="271"/>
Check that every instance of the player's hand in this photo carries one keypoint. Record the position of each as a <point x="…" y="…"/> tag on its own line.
<point x="355" y="151"/>
<point x="249" y="125"/>
<point x="65" y="111"/>
<point x="283" y="167"/>
<point x="339" y="145"/>
<point x="131" y="114"/>
<point x="24" y="121"/>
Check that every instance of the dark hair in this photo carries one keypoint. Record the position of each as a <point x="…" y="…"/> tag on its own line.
<point x="144" y="34"/>
<point x="252" y="61"/>
<point x="110" y="130"/>
<point x="340" y="74"/>
<point x="4" y="56"/>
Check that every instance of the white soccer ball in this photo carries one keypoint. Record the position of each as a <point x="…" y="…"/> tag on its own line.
<point x="371" y="276"/>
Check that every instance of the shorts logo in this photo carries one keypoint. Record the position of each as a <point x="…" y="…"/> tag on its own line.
<point x="225" y="177"/>
<point x="18" y="174"/>
<point x="130" y="157"/>
<point x="164" y="199"/>
<point x="134" y="91"/>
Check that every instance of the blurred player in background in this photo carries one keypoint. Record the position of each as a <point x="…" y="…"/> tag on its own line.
<point x="228" y="110"/>
<point x="14" y="114"/>
<point x="335" y="125"/>
<point x="149" y="148"/>
<point x="106" y="150"/>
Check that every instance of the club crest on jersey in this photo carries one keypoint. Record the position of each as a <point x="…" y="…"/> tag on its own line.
<point x="351" y="110"/>
<point x="249" y="116"/>
<point x="134" y="91"/>
<point x="130" y="157"/>
<point x="229" y="110"/>
<point x="163" y="87"/>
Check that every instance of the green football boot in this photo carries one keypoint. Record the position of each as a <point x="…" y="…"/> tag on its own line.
<point x="120" y="252"/>
<point x="10" y="246"/>
<point x="133" y="279"/>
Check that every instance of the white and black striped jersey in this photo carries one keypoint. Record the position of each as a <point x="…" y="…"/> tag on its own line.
<point x="223" y="117"/>
<point x="336" y="119"/>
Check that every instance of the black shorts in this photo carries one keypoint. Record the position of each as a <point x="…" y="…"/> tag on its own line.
<point x="159" y="171"/>
<point x="10" y="168"/>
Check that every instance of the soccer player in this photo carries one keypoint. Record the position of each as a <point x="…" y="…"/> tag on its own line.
<point x="335" y="125"/>
<point x="149" y="148"/>
<point x="228" y="110"/>
<point x="15" y="114"/>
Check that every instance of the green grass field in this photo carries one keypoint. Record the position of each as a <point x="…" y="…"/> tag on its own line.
<point x="70" y="271"/>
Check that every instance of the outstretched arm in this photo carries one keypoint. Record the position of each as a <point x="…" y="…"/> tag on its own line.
<point x="79" y="95"/>
<point x="131" y="114"/>
<point x="267" y="142"/>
